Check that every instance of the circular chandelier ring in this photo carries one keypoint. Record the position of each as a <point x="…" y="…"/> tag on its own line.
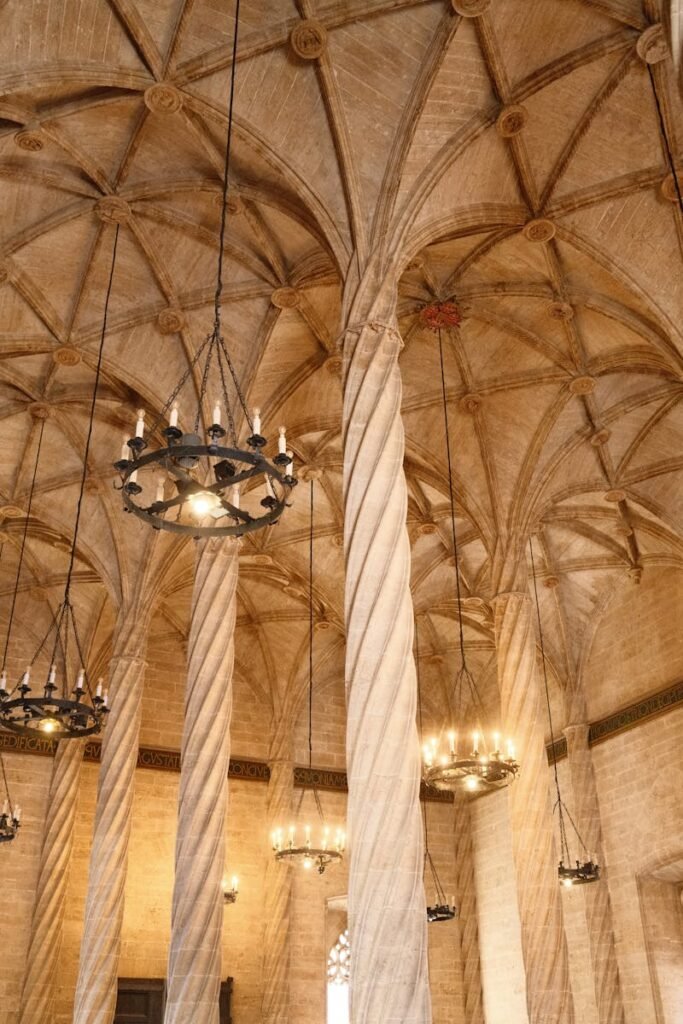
<point x="321" y="858"/>
<point x="39" y="711"/>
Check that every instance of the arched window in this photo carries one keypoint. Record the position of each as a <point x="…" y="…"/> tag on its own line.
<point x="338" y="964"/>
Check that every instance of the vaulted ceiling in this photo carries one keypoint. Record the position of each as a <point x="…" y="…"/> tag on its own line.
<point x="514" y="162"/>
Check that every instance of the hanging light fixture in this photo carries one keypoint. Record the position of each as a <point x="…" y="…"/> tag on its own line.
<point x="60" y="709"/>
<point x="586" y="868"/>
<point x="203" y="487"/>
<point x="10" y="818"/>
<point x="442" y="909"/>
<point x="454" y="761"/>
<point x="230" y="894"/>
<point x="325" y="848"/>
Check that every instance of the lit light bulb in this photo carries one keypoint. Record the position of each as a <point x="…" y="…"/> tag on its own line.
<point x="471" y="783"/>
<point x="307" y="863"/>
<point x="202" y="503"/>
<point x="567" y="882"/>
<point x="48" y="725"/>
<point x="234" y="883"/>
<point x="451" y="741"/>
<point x="496" y="742"/>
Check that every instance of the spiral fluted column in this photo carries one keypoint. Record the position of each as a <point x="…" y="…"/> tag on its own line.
<point x="38" y="992"/>
<point x="544" y="948"/>
<point x="466" y="899"/>
<point x="277" y="899"/>
<point x="598" y="906"/>
<point x="194" y="962"/>
<point x="96" y="987"/>
<point x="387" y="918"/>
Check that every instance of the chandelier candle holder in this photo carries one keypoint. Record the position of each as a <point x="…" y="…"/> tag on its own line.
<point x="230" y="894"/>
<point x="288" y="847"/>
<point x="586" y="868"/>
<point x="199" y="485"/>
<point x="58" y="706"/>
<point x="10" y="818"/>
<point x="476" y="768"/>
<point x="451" y="762"/>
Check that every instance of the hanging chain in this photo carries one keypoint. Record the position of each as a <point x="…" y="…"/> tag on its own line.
<point x="310" y="633"/>
<point x="419" y="720"/>
<point x="559" y="804"/>
<point x="662" y="125"/>
<point x="4" y="779"/>
<point x="23" y="546"/>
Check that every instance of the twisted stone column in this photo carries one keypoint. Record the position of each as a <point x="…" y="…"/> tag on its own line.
<point x="96" y="987"/>
<point x="277" y="898"/>
<point x="597" y="901"/>
<point x="473" y="999"/>
<point x="38" y="992"/>
<point x="548" y="992"/>
<point x="387" y="917"/>
<point x="194" y="962"/>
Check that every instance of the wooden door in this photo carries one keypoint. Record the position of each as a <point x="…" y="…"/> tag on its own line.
<point x="140" y="1001"/>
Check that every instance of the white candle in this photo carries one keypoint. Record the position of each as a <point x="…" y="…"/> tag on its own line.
<point x="307" y="831"/>
<point x="17" y="813"/>
<point x="291" y="836"/>
<point x="496" y="742"/>
<point x="3" y="681"/>
<point x="25" y="679"/>
<point x="451" y="740"/>
<point x="257" y="421"/>
<point x="475" y="742"/>
<point x="52" y="675"/>
<point x="289" y="468"/>
<point x="282" y="441"/>
<point x="173" y="422"/>
<point x="79" y="679"/>
<point x="133" y="477"/>
<point x="511" y="750"/>
<point x="124" y="450"/>
<point x="217" y="414"/>
<point x="269" y="487"/>
<point x="106" y="698"/>
<point x="235" y="496"/>
<point x="98" y="692"/>
<point x="160" y="489"/>
<point x="234" y="883"/>
<point x="140" y="425"/>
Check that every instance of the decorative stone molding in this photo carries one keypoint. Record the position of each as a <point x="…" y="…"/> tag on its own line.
<point x="584" y="385"/>
<point x="308" y="39"/>
<point x="540" y="229"/>
<point x="560" y="311"/>
<point x="600" y="437"/>
<point x="5" y="270"/>
<point x="511" y="120"/>
<point x="623" y="528"/>
<point x="29" y="139"/>
<point x="65" y="355"/>
<point x="615" y="494"/>
<point x="308" y="473"/>
<point x="112" y="210"/>
<point x="233" y="202"/>
<point x="551" y="582"/>
<point x="652" y="46"/>
<point x="333" y="365"/>
<point x="162" y="98"/>
<point x="635" y="573"/>
<point x="470" y="403"/>
<point x="171" y="320"/>
<point x="426" y="529"/>
<point x="11" y="512"/>
<point x="667" y="188"/>
<point x="285" y="298"/>
<point x="470" y="8"/>
<point x="39" y="410"/>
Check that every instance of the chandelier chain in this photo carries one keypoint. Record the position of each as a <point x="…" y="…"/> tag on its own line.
<point x="310" y="631"/>
<point x="226" y="174"/>
<point x="91" y="420"/>
<point x="665" y="136"/>
<point x="6" y="784"/>
<point x="23" y="546"/>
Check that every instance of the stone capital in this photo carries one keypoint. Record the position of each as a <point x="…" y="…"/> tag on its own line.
<point x="576" y="735"/>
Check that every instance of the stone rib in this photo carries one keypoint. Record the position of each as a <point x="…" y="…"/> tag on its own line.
<point x="544" y="946"/>
<point x="96" y="988"/>
<point x="38" y="992"/>
<point x="194" y="966"/>
<point x="387" y="918"/>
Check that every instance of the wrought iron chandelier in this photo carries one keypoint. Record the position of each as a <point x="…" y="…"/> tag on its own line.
<point x="10" y="818"/>
<point x="198" y="486"/>
<point x="61" y="708"/>
<point x="288" y="846"/>
<point x="585" y="868"/>
<point x="450" y="763"/>
<point x="443" y="908"/>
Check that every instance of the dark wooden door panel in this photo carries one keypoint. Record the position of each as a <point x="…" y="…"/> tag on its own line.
<point x="141" y="1001"/>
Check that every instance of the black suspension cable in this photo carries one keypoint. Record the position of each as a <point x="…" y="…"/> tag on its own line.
<point x="228" y="145"/>
<point x="22" y="547"/>
<point x="4" y="779"/>
<point x="662" y="126"/>
<point x="563" y="837"/>
<point x="92" y="418"/>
